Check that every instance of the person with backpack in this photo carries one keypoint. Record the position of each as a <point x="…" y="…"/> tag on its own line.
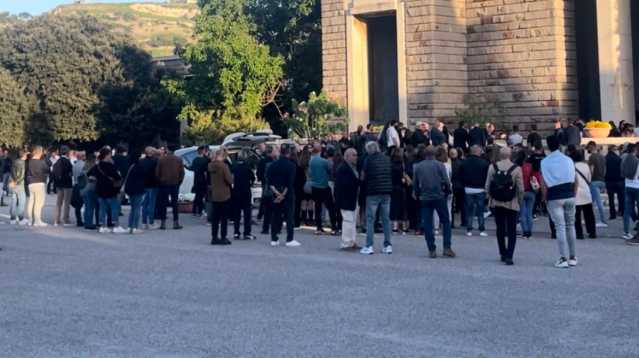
<point x="505" y="188"/>
<point x="630" y="172"/>
<point x="63" y="181"/>
<point x="108" y="184"/>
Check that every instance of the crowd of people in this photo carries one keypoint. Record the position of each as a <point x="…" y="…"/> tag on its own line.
<point x="393" y="182"/>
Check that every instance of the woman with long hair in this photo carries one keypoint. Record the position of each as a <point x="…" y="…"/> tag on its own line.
<point x="107" y="188"/>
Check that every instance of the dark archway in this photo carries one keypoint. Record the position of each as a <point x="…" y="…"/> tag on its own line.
<point x="587" y="59"/>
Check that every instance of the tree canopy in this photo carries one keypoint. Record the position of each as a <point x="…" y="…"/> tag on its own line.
<point x="15" y="108"/>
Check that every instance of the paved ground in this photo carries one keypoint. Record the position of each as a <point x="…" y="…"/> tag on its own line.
<point x="69" y="293"/>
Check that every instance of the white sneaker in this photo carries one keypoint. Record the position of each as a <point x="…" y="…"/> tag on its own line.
<point x="119" y="230"/>
<point x="154" y="226"/>
<point x="293" y="243"/>
<point x="40" y="224"/>
<point x="601" y="225"/>
<point x="136" y="231"/>
<point x="469" y="233"/>
<point x="562" y="263"/>
<point x="23" y="222"/>
<point x="388" y="250"/>
<point x="572" y="262"/>
<point x="275" y="243"/>
<point x="104" y="230"/>
<point x="13" y="222"/>
<point x="483" y="234"/>
<point x="67" y="224"/>
<point x="436" y="232"/>
<point x="367" y="250"/>
<point x="627" y="236"/>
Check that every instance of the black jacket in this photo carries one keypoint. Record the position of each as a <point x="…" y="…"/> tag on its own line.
<point x="63" y="173"/>
<point x="135" y="180"/>
<point x="437" y="137"/>
<point x="377" y="175"/>
<point x="122" y="164"/>
<point x="418" y="138"/>
<point x="460" y="138"/>
<point x="473" y="172"/>
<point x="200" y="167"/>
<point x="456" y="179"/>
<point x="477" y="136"/>
<point x="37" y="171"/>
<point x="281" y="175"/>
<point x="569" y="135"/>
<point x="613" y="167"/>
<point x="106" y="175"/>
<point x="150" y="179"/>
<point x="346" y="188"/>
<point x="243" y="179"/>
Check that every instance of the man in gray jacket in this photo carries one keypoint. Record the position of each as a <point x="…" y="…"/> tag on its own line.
<point x="432" y="186"/>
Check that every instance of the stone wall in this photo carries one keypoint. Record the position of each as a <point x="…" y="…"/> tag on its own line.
<point x="334" y="49"/>
<point x="436" y="69"/>
<point x="522" y="53"/>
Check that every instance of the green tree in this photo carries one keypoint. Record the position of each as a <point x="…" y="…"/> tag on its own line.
<point x="317" y="117"/>
<point x="292" y="29"/>
<point x="15" y="108"/>
<point x="233" y="76"/>
<point x="63" y="62"/>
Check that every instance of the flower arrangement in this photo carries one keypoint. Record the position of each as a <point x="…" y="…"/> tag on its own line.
<point x="598" y="124"/>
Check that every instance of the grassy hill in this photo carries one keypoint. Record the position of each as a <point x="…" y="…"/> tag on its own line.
<point x="155" y="27"/>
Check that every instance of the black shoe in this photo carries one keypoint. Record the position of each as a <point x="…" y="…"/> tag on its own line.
<point x="225" y="241"/>
<point x="509" y="262"/>
<point x="263" y="232"/>
<point x="90" y="227"/>
<point x="177" y="226"/>
<point x="80" y="224"/>
<point x="216" y="242"/>
<point x="503" y="259"/>
<point x="163" y="225"/>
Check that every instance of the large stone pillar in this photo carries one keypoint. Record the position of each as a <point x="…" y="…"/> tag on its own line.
<point x="616" y="76"/>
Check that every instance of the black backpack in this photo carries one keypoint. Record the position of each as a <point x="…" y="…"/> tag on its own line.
<point x="502" y="186"/>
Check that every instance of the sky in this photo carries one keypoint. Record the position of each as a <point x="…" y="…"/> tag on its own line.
<point x="36" y="7"/>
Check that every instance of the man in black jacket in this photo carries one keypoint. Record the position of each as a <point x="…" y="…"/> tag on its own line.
<point x="200" y="166"/>
<point x="149" y="163"/>
<point x="376" y="174"/>
<point x="460" y="137"/>
<point x="420" y="136"/>
<point x="346" y="191"/>
<point x="63" y="181"/>
<point x="473" y="172"/>
<point x="280" y="176"/>
<point x="477" y="136"/>
<point x="614" y="182"/>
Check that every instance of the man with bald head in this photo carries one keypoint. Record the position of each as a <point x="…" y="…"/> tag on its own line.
<point x="505" y="188"/>
<point x="473" y="175"/>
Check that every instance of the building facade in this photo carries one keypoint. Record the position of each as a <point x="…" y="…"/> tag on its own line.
<point x="525" y="62"/>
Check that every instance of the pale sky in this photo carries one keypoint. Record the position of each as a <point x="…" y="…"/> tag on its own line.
<point x="36" y="7"/>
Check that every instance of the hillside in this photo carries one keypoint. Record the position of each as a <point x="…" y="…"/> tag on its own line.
<point x="155" y="27"/>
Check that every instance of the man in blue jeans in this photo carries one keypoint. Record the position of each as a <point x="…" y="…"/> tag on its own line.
<point x="431" y="187"/>
<point x="597" y="164"/>
<point x="473" y="172"/>
<point x="378" y="184"/>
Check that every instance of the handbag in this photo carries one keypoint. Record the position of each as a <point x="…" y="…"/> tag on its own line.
<point x="534" y="183"/>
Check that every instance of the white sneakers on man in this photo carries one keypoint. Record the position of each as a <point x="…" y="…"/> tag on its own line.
<point x="367" y="250"/>
<point x="387" y="249"/>
<point x="483" y="234"/>
<point x="23" y="222"/>
<point x="562" y="263"/>
<point x="40" y="224"/>
<point x="601" y="225"/>
<point x="572" y="262"/>
<point x="275" y="243"/>
<point x="293" y="243"/>
<point x="104" y="230"/>
<point x="119" y="230"/>
<point x="627" y="236"/>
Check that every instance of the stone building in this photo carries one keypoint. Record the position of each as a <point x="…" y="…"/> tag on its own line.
<point x="532" y="60"/>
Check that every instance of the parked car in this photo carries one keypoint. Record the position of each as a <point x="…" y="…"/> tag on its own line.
<point x="233" y="144"/>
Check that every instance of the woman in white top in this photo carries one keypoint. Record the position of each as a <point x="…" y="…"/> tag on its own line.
<point x="583" y="198"/>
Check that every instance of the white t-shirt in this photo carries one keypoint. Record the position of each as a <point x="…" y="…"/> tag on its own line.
<point x="392" y="137"/>
<point x="583" y="196"/>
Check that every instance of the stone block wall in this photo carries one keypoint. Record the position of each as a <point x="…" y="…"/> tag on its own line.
<point x="436" y="69"/>
<point x="522" y="53"/>
<point x="334" y="49"/>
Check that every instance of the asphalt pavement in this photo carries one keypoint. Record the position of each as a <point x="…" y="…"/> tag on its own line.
<point x="66" y="292"/>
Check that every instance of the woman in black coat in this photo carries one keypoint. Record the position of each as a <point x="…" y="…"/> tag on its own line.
<point x="347" y="185"/>
<point x="243" y="179"/>
<point x="398" y="196"/>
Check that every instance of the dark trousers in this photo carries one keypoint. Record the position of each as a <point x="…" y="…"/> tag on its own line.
<point x="78" y="216"/>
<point x="324" y="196"/>
<point x="589" y="217"/>
<point x="198" y="202"/>
<point x="506" y="221"/>
<point x="283" y="211"/>
<point x="458" y="207"/>
<point x="428" y="208"/>
<point x="298" y="210"/>
<point x="242" y="210"/>
<point x="168" y="195"/>
<point x="267" y="206"/>
<point x="219" y="219"/>
<point x="615" y="188"/>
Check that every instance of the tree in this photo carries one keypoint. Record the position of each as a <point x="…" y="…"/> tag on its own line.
<point x="63" y="62"/>
<point x="233" y="76"/>
<point x="15" y="108"/>
<point x="317" y="117"/>
<point x="292" y="29"/>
